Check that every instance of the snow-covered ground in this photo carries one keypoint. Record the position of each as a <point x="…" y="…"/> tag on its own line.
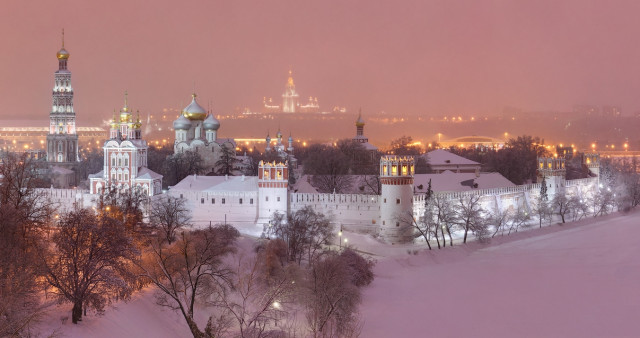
<point x="575" y="280"/>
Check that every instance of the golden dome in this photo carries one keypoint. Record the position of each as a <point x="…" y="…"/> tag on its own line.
<point x="360" y="121"/>
<point x="62" y="54"/>
<point x="194" y="111"/>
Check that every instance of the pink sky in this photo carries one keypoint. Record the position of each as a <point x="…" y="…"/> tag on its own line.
<point x="417" y="57"/>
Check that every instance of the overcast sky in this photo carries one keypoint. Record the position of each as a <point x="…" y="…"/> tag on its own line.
<point x="418" y="57"/>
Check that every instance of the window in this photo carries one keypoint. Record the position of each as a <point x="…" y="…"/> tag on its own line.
<point x="278" y="199"/>
<point x="213" y="201"/>
<point x="126" y="161"/>
<point x="385" y="200"/>
<point x="251" y="201"/>
<point x="266" y="198"/>
<point x="240" y="201"/>
<point x="202" y="201"/>
<point x="113" y="161"/>
<point x="397" y="224"/>
<point x="223" y="201"/>
<point x="384" y="222"/>
<point x="181" y="196"/>
<point x="397" y="201"/>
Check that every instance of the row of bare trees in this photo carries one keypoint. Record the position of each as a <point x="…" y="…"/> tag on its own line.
<point x="443" y="215"/>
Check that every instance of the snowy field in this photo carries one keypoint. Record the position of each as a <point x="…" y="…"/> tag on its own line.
<point x="575" y="280"/>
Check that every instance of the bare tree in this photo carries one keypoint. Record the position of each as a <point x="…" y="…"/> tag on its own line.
<point x="499" y="219"/>
<point x="123" y="205"/>
<point x="169" y="214"/>
<point x="541" y="209"/>
<point x="331" y="298"/>
<point x="518" y="218"/>
<point x="305" y="232"/>
<point x="580" y="209"/>
<point x="561" y="205"/>
<point x="329" y="168"/>
<point x="89" y="264"/>
<point x="189" y="269"/>
<point x="180" y="165"/>
<point x="446" y="215"/>
<point x="258" y="301"/>
<point x="24" y="215"/>
<point x="468" y="215"/>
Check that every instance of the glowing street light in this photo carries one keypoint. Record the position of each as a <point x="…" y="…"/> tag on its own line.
<point x="626" y="146"/>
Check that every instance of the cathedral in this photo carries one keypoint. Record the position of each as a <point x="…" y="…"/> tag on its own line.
<point x="197" y="131"/>
<point x="62" y="140"/>
<point x="125" y="158"/>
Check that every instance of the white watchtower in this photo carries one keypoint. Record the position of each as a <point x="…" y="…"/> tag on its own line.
<point x="396" y="204"/>
<point x="273" y="187"/>
<point x="553" y="170"/>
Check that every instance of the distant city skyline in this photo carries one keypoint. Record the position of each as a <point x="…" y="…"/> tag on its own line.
<point x="425" y="58"/>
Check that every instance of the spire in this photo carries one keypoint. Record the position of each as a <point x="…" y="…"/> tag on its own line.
<point x="126" y="102"/>
<point x="63" y="38"/>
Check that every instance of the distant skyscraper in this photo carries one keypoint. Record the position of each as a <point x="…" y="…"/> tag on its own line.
<point x="290" y="101"/>
<point x="290" y="97"/>
<point x="62" y="140"/>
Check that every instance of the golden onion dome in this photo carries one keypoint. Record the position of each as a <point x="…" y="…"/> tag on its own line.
<point x="359" y="121"/>
<point x="62" y="54"/>
<point x="194" y="111"/>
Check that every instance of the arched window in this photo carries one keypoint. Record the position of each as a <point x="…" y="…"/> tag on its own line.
<point x="126" y="160"/>
<point x="113" y="160"/>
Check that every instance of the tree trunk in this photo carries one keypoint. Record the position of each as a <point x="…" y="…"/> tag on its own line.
<point x="76" y="312"/>
<point x="466" y="231"/>
<point x="194" y="328"/>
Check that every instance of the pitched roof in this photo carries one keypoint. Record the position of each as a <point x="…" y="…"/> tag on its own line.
<point x="450" y="181"/>
<point x="217" y="183"/>
<point x="147" y="174"/>
<point x="443" y="157"/>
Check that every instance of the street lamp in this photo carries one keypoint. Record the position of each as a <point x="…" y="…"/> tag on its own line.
<point x="340" y="237"/>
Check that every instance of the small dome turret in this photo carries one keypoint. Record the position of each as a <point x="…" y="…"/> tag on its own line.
<point x="211" y="123"/>
<point x="194" y="111"/>
<point x="360" y="121"/>
<point x="182" y="123"/>
<point x="62" y="54"/>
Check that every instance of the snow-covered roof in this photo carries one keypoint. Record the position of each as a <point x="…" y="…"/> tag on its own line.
<point x="147" y="174"/>
<point x="99" y="174"/>
<point x="450" y="181"/>
<point x="303" y="186"/>
<point x="443" y="157"/>
<point x="217" y="183"/>
<point x="61" y="170"/>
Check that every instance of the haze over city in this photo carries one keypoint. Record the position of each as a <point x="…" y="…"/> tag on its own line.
<point x="425" y="58"/>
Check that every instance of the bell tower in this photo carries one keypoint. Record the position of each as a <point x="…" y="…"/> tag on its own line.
<point x="62" y="140"/>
